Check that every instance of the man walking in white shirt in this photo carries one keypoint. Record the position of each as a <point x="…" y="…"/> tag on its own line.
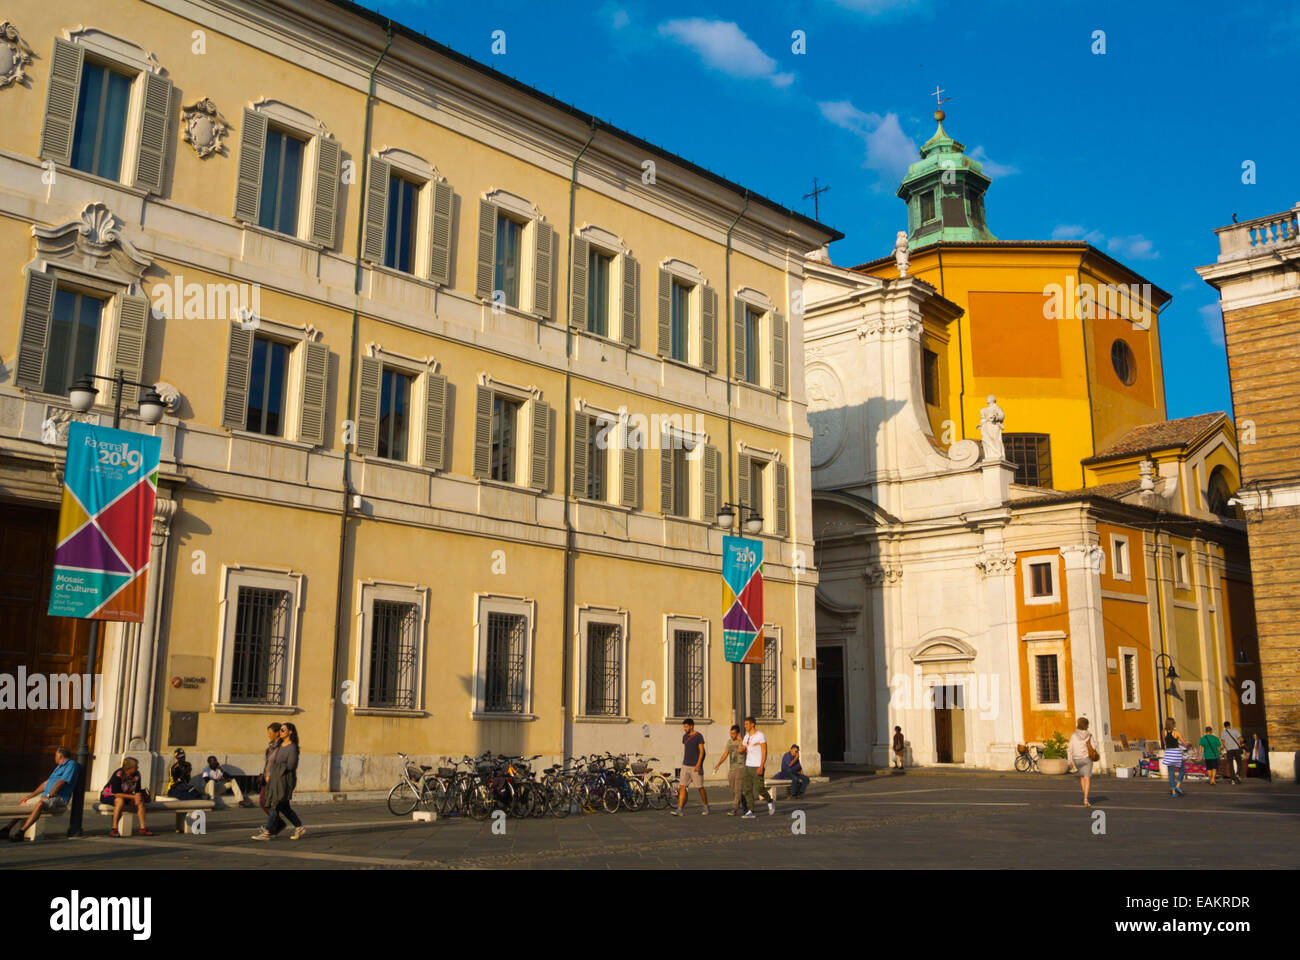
<point x="755" y="763"/>
<point x="1233" y="744"/>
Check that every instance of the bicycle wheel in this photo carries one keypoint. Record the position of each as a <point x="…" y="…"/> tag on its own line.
<point x="480" y="802"/>
<point x="613" y="797"/>
<point x="521" y="802"/>
<point x="402" y="799"/>
<point x="1022" y="762"/>
<point x="658" y="793"/>
<point x="537" y="805"/>
<point x="558" y="798"/>
<point x="580" y="796"/>
<point x="634" y="795"/>
<point x="434" y="797"/>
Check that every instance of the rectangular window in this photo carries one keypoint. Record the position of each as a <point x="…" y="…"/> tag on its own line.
<point x="1049" y="682"/>
<point x="753" y="332"/>
<point x="102" y="107"/>
<point x="267" y="385"/>
<point x="681" y="328"/>
<point x="504" y="659"/>
<point x="394" y="415"/>
<point x="261" y="646"/>
<point x="597" y="460"/>
<point x="510" y="238"/>
<point x="762" y="683"/>
<point x="930" y="376"/>
<point x="598" y="270"/>
<point x="927" y="206"/>
<point x="1032" y="455"/>
<point x="403" y="215"/>
<point x="74" y="339"/>
<point x="604" y="670"/>
<point x="681" y="480"/>
<point x="1181" y="568"/>
<point x="505" y="433"/>
<point x="757" y="488"/>
<point x="1040" y="579"/>
<point x="394" y="655"/>
<point x="688" y="673"/>
<point x="1130" y="680"/>
<point x="281" y="182"/>
<point x="1119" y="557"/>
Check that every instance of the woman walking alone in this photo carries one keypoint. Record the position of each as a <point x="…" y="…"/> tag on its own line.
<point x="1081" y="752"/>
<point x="1174" y="744"/>
<point x="281" y="779"/>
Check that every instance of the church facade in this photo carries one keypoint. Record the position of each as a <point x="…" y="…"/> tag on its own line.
<point x="1010" y="535"/>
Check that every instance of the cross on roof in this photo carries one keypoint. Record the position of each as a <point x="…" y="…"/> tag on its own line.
<point x="938" y="90"/>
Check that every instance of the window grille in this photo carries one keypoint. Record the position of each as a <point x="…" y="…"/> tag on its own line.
<point x="688" y="673"/>
<point x="261" y="646"/>
<point x="394" y="655"/>
<point x="604" y="670"/>
<point x="505" y="661"/>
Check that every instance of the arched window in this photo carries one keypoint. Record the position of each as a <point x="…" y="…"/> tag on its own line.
<point x="1218" y="492"/>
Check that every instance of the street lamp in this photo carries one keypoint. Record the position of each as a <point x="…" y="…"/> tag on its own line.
<point x="82" y="397"/>
<point x="1170" y="691"/>
<point x="727" y="517"/>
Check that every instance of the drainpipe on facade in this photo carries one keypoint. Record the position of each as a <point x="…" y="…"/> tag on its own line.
<point x="332" y="778"/>
<point x="566" y="424"/>
<point x="736" y="680"/>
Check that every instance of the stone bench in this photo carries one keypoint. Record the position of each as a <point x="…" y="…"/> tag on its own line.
<point x="10" y="811"/>
<point x="181" y="808"/>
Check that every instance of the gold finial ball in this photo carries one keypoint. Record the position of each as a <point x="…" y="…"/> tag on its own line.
<point x="939" y="115"/>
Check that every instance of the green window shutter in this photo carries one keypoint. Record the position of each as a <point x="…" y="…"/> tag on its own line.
<point x="485" y="279"/>
<point x="315" y="382"/>
<point x="581" y="427"/>
<point x="630" y="470"/>
<point x="440" y="242"/>
<point x="248" y="182"/>
<point x="544" y="269"/>
<point x="540" y="447"/>
<point x="782" y="498"/>
<point x="709" y="329"/>
<point x="34" y="337"/>
<point x="128" y="347"/>
<point x="712" y="463"/>
<point x="435" y="422"/>
<point x="578" y="283"/>
<point x="325" y="208"/>
<point x="239" y="361"/>
<point x="665" y="313"/>
<point x="631" y="301"/>
<point x="369" y="386"/>
<point x="742" y="485"/>
<point x="666" y="480"/>
<point x="155" y="114"/>
<point x="779" y="349"/>
<point x="376" y="219"/>
<point x="738" y="337"/>
<point x="61" y="102"/>
<point x="483" y="432"/>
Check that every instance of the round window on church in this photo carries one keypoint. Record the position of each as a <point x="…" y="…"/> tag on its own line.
<point x="1121" y="358"/>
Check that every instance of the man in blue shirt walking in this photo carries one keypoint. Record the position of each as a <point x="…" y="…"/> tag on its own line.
<point x="54" y="794"/>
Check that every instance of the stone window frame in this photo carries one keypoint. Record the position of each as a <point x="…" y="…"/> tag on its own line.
<point x="587" y="615"/>
<point x="529" y="216"/>
<point x="618" y="421"/>
<point x="233" y="577"/>
<point x="683" y="621"/>
<point x="418" y="369"/>
<point x="695" y="444"/>
<point x="760" y="303"/>
<point x="295" y="336"/>
<point x="297" y="121"/>
<point x="687" y="274"/>
<point x="368" y="591"/>
<point x="1116" y="540"/>
<point x="771" y="458"/>
<point x="424" y="176"/>
<point x="1181" y="563"/>
<point x="485" y="604"/>
<point x="1124" y="654"/>
<point x="611" y="245"/>
<point x="1046" y="643"/>
<point x="1028" y="580"/>
<point x="771" y="634"/>
<point x="528" y="397"/>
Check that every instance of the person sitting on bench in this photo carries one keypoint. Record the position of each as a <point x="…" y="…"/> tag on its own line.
<point x="124" y="788"/>
<point x="216" y="780"/>
<point x="54" y="794"/>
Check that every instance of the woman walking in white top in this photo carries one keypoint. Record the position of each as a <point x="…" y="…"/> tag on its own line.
<point x="1080" y="753"/>
<point x="1174" y="744"/>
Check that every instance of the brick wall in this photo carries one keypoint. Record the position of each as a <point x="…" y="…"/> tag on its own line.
<point x="1275" y="568"/>
<point x="1263" y="356"/>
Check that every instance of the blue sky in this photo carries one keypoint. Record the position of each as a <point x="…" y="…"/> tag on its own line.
<point x="1138" y="150"/>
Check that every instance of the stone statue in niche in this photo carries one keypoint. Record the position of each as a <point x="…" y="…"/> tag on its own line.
<point x="901" y="258"/>
<point x="991" y="418"/>
<point x="205" y="127"/>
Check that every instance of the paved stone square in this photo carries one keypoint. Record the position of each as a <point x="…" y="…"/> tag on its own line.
<point x="916" y="820"/>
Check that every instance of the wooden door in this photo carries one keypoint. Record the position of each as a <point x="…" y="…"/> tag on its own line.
<point x="38" y="643"/>
<point x="943" y="734"/>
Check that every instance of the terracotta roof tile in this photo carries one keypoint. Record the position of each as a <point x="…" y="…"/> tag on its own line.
<point x="1153" y="436"/>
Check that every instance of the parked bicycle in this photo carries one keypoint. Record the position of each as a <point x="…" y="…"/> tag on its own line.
<point x="1027" y="757"/>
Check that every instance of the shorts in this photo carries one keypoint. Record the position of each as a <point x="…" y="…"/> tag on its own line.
<point x="54" y="804"/>
<point x="691" y="778"/>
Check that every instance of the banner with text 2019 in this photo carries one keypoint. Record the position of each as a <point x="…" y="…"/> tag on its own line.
<point x="742" y="600"/>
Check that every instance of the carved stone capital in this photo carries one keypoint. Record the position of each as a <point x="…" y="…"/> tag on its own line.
<point x="992" y="564"/>
<point x="878" y="573"/>
<point x="163" y="512"/>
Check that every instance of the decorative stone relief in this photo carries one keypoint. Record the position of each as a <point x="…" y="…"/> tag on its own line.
<point x="15" y="56"/>
<point x="204" y="127"/>
<point x="826" y="413"/>
<point x="171" y="396"/>
<point x="54" y="425"/>
<point x="1089" y="554"/>
<point x="93" y="241"/>
<point x="963" y="453"/>
<point x="995" y="564"/>
<point x="878" y="573"/>
<point x="901" y="258"/>
<point x="991" y="418"/>
<point x="907" y="325"/>
<point x="872" y="327"/>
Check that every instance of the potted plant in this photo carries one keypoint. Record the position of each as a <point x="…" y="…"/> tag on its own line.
<point x="1054" y="755"/>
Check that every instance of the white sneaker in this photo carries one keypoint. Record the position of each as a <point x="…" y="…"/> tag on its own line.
<point x="749" y="816"/>
<point x="706" y="811"/>
<point x="771" y="808"/>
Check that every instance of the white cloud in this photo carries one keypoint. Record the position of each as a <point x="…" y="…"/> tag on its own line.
<point x="877" y="7"/>
<point x="1212" y="321"/>
<point x="991" y="167"/>
<point x="889" y="149"/>
<point x="1135" y="246"/>
<point x="619" y="18"/>
<point x="724" y="46"/>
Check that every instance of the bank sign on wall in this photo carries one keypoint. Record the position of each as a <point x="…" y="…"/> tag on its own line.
<point x="101" y="564"/>
<point x="742" y="600"/>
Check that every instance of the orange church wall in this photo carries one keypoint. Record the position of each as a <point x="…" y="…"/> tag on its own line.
<point x="1125" y="623"/>
<point x="1039" y="724"/>
<point x="1011" y="338"/>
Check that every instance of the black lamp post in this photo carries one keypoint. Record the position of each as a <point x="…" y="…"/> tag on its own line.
<point x="1171" y="675"/>
<point x="82" y="395"/>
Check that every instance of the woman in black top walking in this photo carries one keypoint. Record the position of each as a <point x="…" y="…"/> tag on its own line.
<point x="281" y="780"/>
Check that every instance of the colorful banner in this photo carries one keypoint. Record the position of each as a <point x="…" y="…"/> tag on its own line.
<point x="742" y="600"/>
<point x="101" y="564"/>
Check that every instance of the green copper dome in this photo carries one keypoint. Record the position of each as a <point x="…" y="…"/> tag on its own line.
<point x="944" y="192"/>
